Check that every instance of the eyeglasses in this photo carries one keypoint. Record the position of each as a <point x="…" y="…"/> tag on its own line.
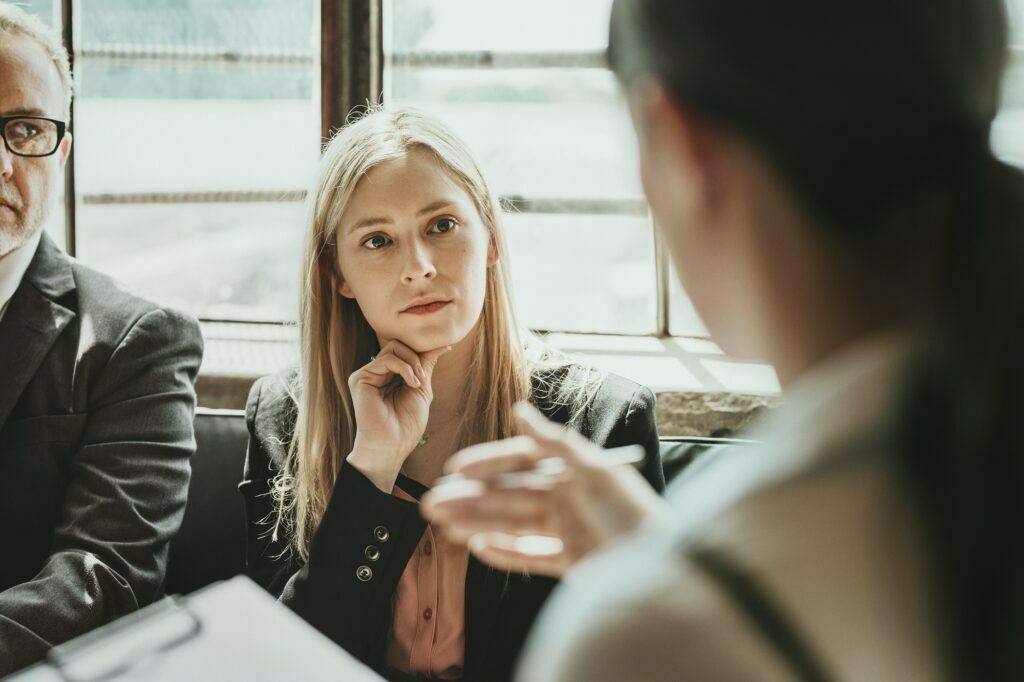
<point x="31" y="135"/>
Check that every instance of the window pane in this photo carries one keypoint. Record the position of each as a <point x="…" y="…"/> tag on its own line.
<point x="228" y="261"/>
<point x="583" y="273"/>
<point x="524" y="25"/>
<point x="183" y="105"/>
<point x="536" y="132"/>
<point x="41" y="8"/>
<point x="550" y="128"/>
<point x="1008" y="130"/>
<point x="682" y="316"/>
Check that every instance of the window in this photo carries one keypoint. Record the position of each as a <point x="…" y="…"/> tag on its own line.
<point x="1008" y="130"/>
<point x="198" y="123"/>
<point x="525" y="85"/>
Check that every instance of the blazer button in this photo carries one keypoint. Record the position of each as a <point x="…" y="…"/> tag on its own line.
<point x="372" y="553"/>
<point x="381" y="533"/>
<point x="364" y="573"/>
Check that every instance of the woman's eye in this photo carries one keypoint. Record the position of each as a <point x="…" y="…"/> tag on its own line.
<point x="444" y="225"/>
<point x="375" y="242"/>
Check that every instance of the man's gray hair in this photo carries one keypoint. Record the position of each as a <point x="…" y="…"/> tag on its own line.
<point x="16" y="21"/>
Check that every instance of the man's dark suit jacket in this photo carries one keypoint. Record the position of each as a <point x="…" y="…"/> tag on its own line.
<point x="96" y="407"/>
<point x="500" y="607"/>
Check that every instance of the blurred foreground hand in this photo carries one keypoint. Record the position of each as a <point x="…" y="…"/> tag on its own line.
<point x="517" y="512"/>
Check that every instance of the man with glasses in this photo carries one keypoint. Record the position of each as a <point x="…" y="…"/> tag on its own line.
<point x="96" y="396"/>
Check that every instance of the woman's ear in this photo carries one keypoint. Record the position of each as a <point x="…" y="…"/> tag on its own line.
<point x="688" y="148"/>
<point x="680" y="154"/>
<point x="341" y="286"/>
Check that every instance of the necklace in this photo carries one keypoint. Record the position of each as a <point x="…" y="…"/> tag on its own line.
<point x="425" y="437"/>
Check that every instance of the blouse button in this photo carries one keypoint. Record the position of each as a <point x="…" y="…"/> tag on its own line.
<point x="372" y="553"/>
<point x="428" y="613"/>
<point x="364" y="573"/>
<point x="428" y="549"/>
<point x="381" y="533"/>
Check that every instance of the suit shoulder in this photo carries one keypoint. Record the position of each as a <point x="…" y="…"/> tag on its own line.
<point x="591" y="401"/>
<point x="112" y="306"/>
<point x="99" y="292"/>
<point x="271" y="410"/>
<point x="620" y="395"/>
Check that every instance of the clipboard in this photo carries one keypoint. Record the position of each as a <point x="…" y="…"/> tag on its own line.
<point x="230" y="631"/>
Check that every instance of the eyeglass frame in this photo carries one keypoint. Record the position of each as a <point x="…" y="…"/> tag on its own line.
<point x="61" y="131"/>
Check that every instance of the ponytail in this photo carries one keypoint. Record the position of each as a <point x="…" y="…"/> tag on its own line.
<point x="962" y="447"/>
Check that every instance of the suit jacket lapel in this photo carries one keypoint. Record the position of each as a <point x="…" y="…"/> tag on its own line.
<point x="484" y="588"/>
<point x="33" y="321"/>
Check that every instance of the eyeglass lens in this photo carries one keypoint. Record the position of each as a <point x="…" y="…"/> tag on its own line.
<point x="31" y="137"/>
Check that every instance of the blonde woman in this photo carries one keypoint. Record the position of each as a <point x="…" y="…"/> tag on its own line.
<point x="410" y="351"/>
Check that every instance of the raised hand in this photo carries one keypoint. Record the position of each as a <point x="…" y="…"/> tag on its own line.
<point x="391" y="397"/>
<point x="540" y="526"/>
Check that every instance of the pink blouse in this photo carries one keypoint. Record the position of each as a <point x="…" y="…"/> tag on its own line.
<point x="428" y="631"/>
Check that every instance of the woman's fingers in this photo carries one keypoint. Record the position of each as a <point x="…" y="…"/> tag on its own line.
<point x="487" y="460"/>
<point x="406" y="354"/>
<point x="379" y="372"/>
<point x="422" y="364"/>
<point x="476" y="509"/>
<point x="530" y="555"/>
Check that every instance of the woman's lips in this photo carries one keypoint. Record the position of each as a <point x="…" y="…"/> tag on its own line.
<point x="427" y="308"/>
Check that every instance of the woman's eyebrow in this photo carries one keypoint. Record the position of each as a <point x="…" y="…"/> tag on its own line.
<point x="435" y="205"/>
<point x="369" y="222"/>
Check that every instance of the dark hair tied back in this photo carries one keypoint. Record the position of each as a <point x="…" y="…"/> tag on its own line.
<point x="877" y="114"/>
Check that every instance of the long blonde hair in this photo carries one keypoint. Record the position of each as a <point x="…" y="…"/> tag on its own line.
<point x="336" y="339"/>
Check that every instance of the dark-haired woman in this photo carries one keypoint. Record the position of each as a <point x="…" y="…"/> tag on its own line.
<point x="822" y="175"/>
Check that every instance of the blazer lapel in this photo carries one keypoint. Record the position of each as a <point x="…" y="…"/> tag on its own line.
<point x="33" y="321"/>
<point x="484" y="587"/>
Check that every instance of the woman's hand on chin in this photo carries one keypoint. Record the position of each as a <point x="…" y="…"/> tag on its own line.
<point x="517" y="518"/>
<point x="391" y="397"/>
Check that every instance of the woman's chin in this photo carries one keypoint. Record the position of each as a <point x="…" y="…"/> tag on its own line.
<point x="422" y="340"/>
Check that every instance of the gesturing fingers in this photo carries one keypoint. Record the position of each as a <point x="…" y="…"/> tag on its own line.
<point x="487" y="460"/>
<point x="552" y="438"/>
<point x="530" y="555"/>
<point x="467" y="510"/>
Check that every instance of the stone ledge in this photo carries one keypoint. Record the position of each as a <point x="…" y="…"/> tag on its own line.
<point x="720" y="415"/>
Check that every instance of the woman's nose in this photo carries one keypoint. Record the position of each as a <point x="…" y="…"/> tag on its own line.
<point x="419" y="264"/>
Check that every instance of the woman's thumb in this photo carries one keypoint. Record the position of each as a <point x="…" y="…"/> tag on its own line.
<point x="430" y="358"/>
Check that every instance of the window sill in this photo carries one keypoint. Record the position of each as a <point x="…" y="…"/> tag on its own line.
<point x="701" y="392"/>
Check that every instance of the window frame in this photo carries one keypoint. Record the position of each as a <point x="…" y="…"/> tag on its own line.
<point x="352" y="64"/>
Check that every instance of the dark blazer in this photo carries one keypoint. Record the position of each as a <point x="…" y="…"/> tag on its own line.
<point x="96" y="406"/>
<point x="500" y="607"/>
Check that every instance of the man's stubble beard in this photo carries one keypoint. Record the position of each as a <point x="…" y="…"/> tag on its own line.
<point x="26" y="222"/>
